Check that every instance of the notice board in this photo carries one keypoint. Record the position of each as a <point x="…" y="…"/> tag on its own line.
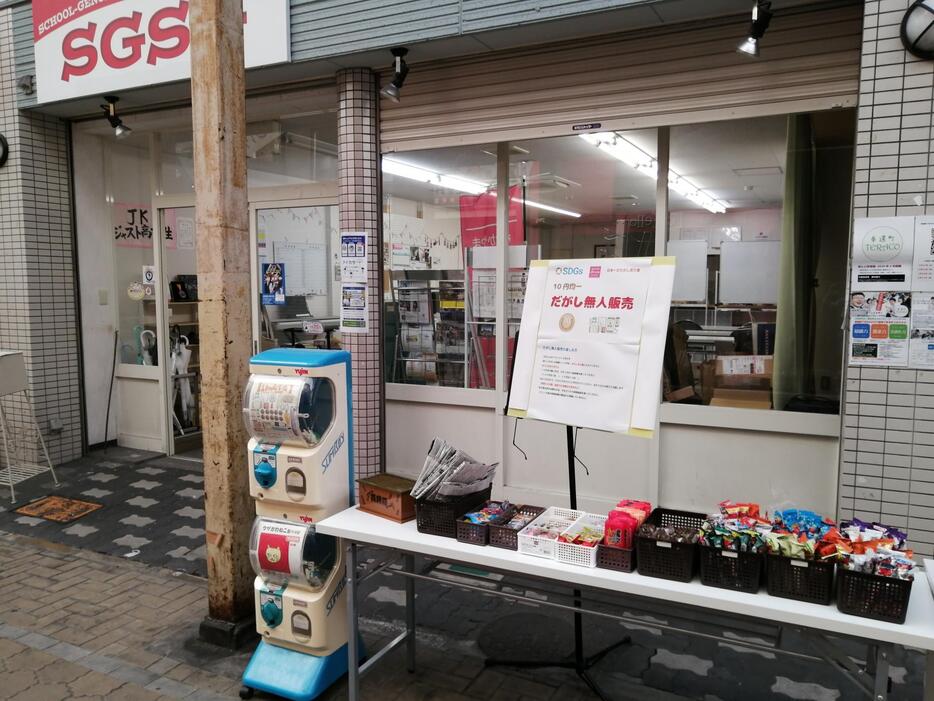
<point x="592" y="342"/>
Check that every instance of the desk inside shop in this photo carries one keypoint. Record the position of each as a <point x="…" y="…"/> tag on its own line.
<point x="754" y="619"/>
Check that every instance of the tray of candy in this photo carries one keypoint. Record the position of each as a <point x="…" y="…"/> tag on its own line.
<point x="668" y="559"/>
<point x="572" y="546"/>
<point x="802" y="580"/>
<point x="506" y="535"/>
<point x="540" y="537"/>
<point x="872" y="595"/>
<point x="440" y="517"/>
<point x="479" y="533"/>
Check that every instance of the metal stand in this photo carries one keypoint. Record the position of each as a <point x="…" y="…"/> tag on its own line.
<point x="19" y="471"/>
<point x="581" y="664"/>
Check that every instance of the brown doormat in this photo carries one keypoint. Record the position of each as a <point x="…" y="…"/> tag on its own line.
<point x="59" y="509"/>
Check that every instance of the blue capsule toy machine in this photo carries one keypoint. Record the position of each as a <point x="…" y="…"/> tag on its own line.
<point x="297" y="410"/>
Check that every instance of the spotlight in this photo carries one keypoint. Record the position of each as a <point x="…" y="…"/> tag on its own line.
<point x="392" y="91"/>
<point x="761" y="16"/>
<point x="121" y="130"/>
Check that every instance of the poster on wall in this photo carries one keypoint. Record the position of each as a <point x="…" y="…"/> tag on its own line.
<point x="923" y="268"/>
<point x="879" y="327"/>
<point x="883" y="249"/>
<point x="354" y="273"/>
<point x="273" y="283"/>
<point x="921" y="343"/>
<point x="132" y="225"/>
<point x="592" y="341"/>
<point x="82" y="47"/>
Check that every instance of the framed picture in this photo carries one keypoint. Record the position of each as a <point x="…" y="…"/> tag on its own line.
<point x="603" y="250"/>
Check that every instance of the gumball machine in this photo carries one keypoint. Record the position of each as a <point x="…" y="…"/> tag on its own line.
<point x="296" y="407"/>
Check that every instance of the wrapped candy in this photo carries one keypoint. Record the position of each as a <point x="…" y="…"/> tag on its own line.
<point x="493" y="512"/>
<point x="587" y="535"/>
<point x="736" y="527"/>
<point x="670" y="534"/>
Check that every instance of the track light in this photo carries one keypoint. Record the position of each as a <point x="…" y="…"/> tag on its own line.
<point x="121" y="130"/>
<point x="393" y="90"/>
<point x="761" y="16"/>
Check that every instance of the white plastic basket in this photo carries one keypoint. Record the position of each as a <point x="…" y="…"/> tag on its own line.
<point x="580" y="555"/>
<point x="545" y="547"/>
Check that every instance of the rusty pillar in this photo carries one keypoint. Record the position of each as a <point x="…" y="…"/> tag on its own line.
<point x="223" y="241"/>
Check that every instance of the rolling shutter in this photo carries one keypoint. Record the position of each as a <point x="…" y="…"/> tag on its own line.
<point x="809" y="61"/>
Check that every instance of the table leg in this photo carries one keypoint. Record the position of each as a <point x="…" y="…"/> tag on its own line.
<point x="353" y="631"/>
<point x="929" y="677"/>
<point x="410" y="611"/>
<point x="881" y="689"/>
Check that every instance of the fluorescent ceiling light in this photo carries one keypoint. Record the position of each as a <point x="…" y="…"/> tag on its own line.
<point x="637" y="159"/>
<point x="454" y="182"/>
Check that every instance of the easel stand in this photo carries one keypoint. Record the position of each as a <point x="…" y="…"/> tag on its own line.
<point x="581" y="664"/>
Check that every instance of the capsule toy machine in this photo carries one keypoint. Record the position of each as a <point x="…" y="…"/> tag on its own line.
<point x="296" y="407"/>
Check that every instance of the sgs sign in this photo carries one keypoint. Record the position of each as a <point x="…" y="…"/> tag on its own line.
<point x="123" y="42"/>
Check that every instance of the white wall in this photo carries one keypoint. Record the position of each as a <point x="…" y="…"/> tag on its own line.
<point x="698" y="466"/>
<point x="96" y="278"/>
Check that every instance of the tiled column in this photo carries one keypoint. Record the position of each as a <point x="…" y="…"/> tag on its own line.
<point x="888" y="451"/>
<point x="361" y="209"/>
<point x="38" y="310"/>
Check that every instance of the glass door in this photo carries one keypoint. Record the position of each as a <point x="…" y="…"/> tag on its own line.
<point x="181" y="331"/>
<point x="296" y="270"/>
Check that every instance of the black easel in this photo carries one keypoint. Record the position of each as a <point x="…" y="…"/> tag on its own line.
<point x="581" y="664"/>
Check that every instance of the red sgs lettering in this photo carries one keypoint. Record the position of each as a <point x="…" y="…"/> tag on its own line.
<point x="132" y="43"/>
<point x="72" y="51"/>
<point x="178" y="33"/>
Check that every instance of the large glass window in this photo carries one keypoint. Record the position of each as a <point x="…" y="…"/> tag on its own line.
<point x="439" y="223"/>
<point x="759" y="222"/>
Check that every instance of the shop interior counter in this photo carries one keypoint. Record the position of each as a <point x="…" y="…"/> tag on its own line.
<point x="917" y="631"/>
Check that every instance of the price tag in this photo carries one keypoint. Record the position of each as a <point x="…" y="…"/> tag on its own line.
<point x="799" y="563"/>
<point x="730" y="554"/>
<point x="662" y="544"/>
<point x="312" y="327"/>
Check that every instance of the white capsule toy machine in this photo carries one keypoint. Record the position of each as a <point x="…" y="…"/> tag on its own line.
<point x="297" y="409"/>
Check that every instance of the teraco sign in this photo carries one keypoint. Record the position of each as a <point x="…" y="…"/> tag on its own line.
<point x="96" y="47"/>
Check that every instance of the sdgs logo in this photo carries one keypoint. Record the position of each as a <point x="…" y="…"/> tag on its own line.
<point x="568" y="270"/>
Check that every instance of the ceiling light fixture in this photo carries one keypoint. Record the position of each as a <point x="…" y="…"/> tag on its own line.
<point x="394" y="89"/>
<point x="761" y="16"/>
<point x="620" y="148"/>
<point x="459" y="184"/>
<point x="121" y="130"/>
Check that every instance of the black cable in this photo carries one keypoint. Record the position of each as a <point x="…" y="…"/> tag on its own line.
<point x="583" y="464"/>
<point x="113" y="372"/>
<point x="515" y="429"/>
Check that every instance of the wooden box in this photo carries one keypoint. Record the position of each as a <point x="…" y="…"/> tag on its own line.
<point x="387" y="496"/>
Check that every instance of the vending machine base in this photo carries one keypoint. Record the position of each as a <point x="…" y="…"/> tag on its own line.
<point x="290" y="674"/>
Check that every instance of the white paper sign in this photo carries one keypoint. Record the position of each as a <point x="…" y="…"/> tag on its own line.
<point x="923" y="270"/>
<point x="355" y="306"/>
<point x="591" y="342"/>
<point x="921" y="345"/>
<point x="883" y="250"/>
<point x="95" y="47"/>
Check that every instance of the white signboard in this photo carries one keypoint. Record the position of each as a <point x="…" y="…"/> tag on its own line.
<point x="922" y="331"/>
<point x="923" y="270"/>
<point x="94" y="47"/>
<point x="592" y="341"/>
<point x="882" y="253"/>
<point x="355" y="306"/>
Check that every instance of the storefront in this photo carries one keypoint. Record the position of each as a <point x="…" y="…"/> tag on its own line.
<point x="758" y="157"/>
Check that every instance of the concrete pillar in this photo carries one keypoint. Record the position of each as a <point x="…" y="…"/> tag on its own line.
<point x="38" y="304"/>
<point x="361" y="209"/>
<point x="219" y="117"/>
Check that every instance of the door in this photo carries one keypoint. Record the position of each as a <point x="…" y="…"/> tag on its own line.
<point x="296" y="273"/>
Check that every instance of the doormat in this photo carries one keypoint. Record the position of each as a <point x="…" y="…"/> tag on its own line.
<point x="58" y="509"/>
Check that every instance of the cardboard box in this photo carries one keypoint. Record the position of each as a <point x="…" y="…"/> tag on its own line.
<point x="742" y="398"/>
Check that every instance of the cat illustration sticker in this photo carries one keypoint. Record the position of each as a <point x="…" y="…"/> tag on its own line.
<point x="273" y="552"/>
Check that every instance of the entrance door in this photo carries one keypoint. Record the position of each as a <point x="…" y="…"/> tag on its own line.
<point x="297" y="274"/>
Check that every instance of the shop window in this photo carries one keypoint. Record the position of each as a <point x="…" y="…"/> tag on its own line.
<point x="439" y="223"/>
<point x="590" y="196"/>
<point x="759" y="223"/>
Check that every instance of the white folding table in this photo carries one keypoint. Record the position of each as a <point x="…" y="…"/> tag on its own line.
<point x="356" y="528"/>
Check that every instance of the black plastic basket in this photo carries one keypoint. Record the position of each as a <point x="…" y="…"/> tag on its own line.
<point x="478" y="533"/>
<point x="802" y="580"/>
<point x="502" y="536"/>
<point x="872" y="596"/>
<point x="440" y="517"/>
<point x="674" y="561"/>
<point x="730" y="570"/>
<point x="619" y="559"/>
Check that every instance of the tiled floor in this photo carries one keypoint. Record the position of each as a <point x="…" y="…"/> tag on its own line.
<point x="153" y="508"/>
